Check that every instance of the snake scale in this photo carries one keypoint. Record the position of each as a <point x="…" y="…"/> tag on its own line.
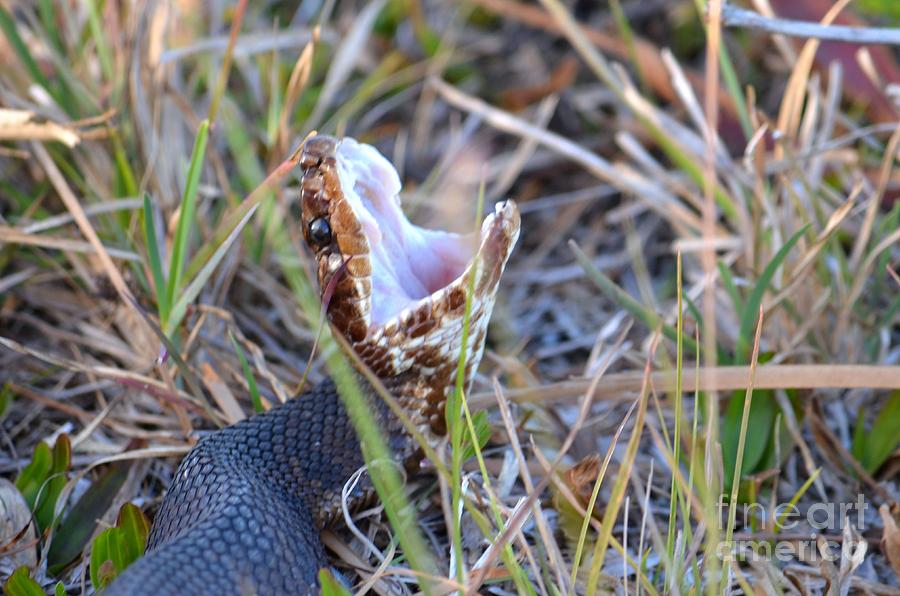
<point x="245" y="508"/>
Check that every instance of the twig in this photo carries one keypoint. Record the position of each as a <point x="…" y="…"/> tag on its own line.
<point x="733" y="16"/>
<point x="723" y="378"/>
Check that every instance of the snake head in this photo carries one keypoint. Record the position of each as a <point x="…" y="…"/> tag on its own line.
<point x="397" y="291"/>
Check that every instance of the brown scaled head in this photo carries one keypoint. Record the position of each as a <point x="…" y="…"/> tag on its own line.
<point x="397" y="291"/>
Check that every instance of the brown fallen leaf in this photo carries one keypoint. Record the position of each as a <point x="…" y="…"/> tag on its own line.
<point x="582" y="476"/>
<point x="221" y="394"/>
<point x="518" y="98"/>
<point x="18" y="539"/>
<point x="890" y="540"/>
<point x="132" y="328"/>
<point x="580" y="480"/>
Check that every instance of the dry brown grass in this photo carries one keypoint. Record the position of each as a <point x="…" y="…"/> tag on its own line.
<point x="616" y="169"/>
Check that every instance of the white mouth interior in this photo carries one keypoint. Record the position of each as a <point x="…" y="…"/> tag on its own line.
<point x="408" y="262"/>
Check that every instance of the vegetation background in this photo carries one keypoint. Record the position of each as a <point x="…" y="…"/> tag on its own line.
<point x="706" y="281"/>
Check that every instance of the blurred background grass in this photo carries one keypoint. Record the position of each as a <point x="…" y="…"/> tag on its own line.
<point x="136" y="139"/>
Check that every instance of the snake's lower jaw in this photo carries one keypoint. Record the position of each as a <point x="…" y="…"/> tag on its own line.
<point x="499" y="234"/>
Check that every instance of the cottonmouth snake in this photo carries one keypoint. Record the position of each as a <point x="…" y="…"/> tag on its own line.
<point x="244" y="510"/>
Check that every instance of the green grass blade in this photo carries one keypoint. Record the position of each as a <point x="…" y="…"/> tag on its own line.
<point x="453" y="411"/>
<point x="225" y="70"/>
<point x="754" y="300"/>
<point x="188" y="213"/>
<point x="126" y="182"/>
<point x="251" y="173"/>
<point x="730" y="78"/>
<point x="8" y="26"/>
<point x="248" y="374"/>
<point x="48" y="15"/>
<point x="106" y="62"/>
<point x="745" y="421"/>
<point x="728" y="281"/>
<point x="620" y="296"/>
<point x="779" y="521"/>
<point x="331" y="586"/>
<point x="595" y="493"/>
<point x="880" y="442"/>
<point x="197" y="284"/>
<point x="674" y="493"/>
<point x="618" y="491"/>
<point x="625" y="31"/>
<point x="153" y="253"/>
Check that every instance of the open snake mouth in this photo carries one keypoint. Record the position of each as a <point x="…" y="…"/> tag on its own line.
<point x="408" y="262"/>
<point x="389" y="268"/>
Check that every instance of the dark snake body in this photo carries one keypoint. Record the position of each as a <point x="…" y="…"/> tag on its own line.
<point x="244" y="512"/>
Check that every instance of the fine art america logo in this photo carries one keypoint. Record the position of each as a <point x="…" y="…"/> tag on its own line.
<point x="785" y="533"/>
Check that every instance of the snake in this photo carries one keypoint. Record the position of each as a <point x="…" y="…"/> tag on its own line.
<point x="244" y="511"/>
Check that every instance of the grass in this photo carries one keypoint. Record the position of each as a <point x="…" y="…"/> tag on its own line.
<point x="674" y="369"/>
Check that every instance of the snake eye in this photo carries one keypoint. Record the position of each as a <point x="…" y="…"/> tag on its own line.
<point x="319" y="231"/>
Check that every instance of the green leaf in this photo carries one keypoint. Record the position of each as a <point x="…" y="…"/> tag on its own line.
<point x="331" y="586"/>
<point x="730" y="287"/>
<point x="59" y="589"/>
<point x="188" y="213"/>
<point x="8" y="26"/>
<point x="763" y="408"/>
<point x="639" y="311"/>
<point x="751" y="308"/>
<point x="21" y="584"/>
<point x="153" y="252"/>
<point x="482" y="431"/>
<point x="42" y="480"/>
<point x="118" y="547"/>
<point x="880" y="442"/>
<point x="134" y="528"/>
<point x="102" y="568"/>
<point x="76" y="529"/>
<point x="32" y="477"/>
<point x="760" y="427"/>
